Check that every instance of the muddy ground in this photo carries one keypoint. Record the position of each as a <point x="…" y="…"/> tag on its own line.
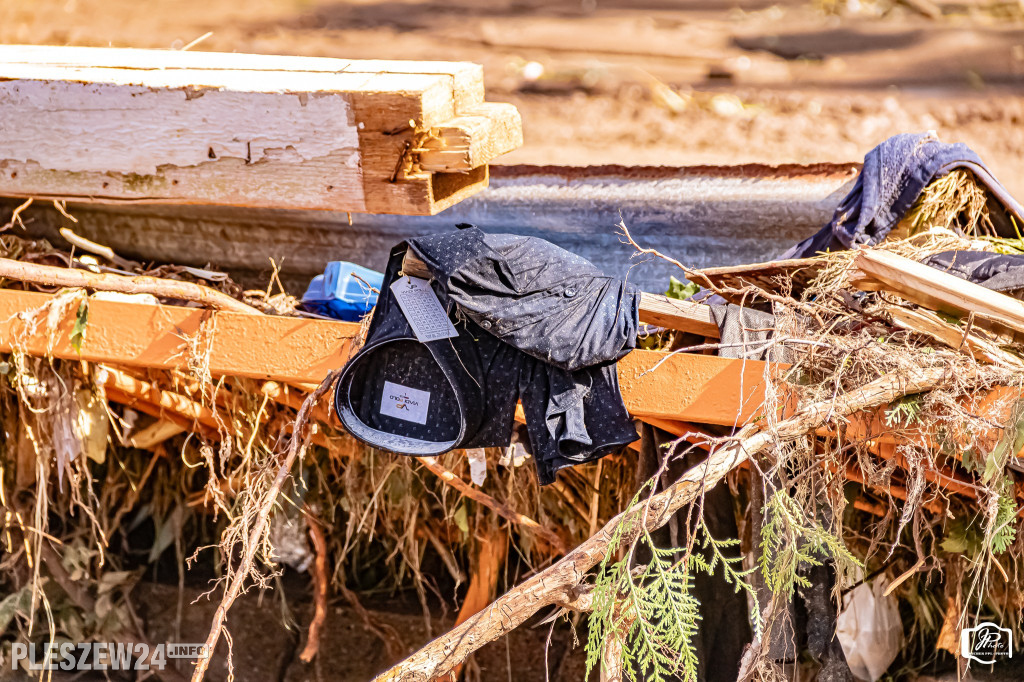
<point x="655" y="82"/>
<point x="750" y="80"/>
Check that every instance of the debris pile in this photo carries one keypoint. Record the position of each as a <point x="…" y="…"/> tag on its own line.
<point x="183" y="464"/>
<point x="871" y="456"/>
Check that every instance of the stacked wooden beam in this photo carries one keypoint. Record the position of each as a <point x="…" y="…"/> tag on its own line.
<point x="121" y="125"/>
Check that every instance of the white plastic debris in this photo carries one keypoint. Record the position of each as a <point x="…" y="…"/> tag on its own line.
<point x="477" y="465"/>
<point x="288" y="538"/>
<point x="870" y="630"/>
<point x="514" y="455"/>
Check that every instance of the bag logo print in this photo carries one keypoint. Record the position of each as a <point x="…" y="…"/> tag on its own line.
<point x="402" y="401"/>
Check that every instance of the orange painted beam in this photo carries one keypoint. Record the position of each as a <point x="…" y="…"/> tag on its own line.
<point x="701" y="389"/>
<point x="695" y="388"/>
<point x="704" y="389"/>
<point x="173" y="337"/>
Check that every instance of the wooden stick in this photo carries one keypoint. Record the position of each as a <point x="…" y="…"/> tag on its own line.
<point x="142" y="405"/>
<point x="936" y="289"/>
<point x="691" y="433"/>
<point x="48" y="275"/>
<point x="90" y="246"/>
<point x="942" y="476"/>
<point x="555" y="583"/>
<point x="296" y="446"/>
<point x="927" y="323"/>
<point x="502" y="509"/>
<point x="173" y="402"/>
<point x="854" y="474"/>
<point x="316" y="535"/>
<point x="154" y="434"/>
<point x="293" y="398"/>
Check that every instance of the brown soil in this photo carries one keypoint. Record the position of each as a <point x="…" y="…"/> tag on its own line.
<point x="785" y="82"/>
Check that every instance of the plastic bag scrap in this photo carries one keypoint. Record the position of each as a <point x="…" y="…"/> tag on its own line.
<point x="870" y="630"/>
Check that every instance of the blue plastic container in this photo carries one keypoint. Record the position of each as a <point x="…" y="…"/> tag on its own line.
<point x="343" y="291"/>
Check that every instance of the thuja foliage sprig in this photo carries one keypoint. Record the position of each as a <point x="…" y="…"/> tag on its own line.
<point x="790" y="541"/>
<point x="650" y="610"/>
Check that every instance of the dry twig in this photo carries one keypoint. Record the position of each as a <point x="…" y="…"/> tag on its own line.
<point x="48" y="275"/>
<point x="555" y="584"/>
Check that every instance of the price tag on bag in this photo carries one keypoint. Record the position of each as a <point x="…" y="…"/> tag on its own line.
<point x="421" y="308"/>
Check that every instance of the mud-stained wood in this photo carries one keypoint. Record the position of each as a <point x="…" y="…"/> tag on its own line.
<point x="96" y="125"/>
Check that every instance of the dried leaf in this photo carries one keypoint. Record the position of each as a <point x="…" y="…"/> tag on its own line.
<point x="13" y="604"/>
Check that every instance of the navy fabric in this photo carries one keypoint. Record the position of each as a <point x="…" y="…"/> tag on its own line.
<point x="997" y="271"/>
<point x="535" y="296"/>
<point x="893" y="177"/>
<point x="522" y="335"/>
<point x="472" y="403"/>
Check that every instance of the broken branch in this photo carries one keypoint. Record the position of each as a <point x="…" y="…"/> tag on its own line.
<point x="48" y="275"/>
<point x="316" y="535"/>
<point x="555" y="584"/>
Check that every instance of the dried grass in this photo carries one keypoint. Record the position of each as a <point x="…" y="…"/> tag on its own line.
<point x="200" y="492"/>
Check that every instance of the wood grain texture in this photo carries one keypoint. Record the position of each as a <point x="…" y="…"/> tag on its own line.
<point x="242" y="130"/>
<point x="673" y="313"/>
<point x="472" y="139"/>
<point x="936" y="289"/>
<point x="467" y="78"/>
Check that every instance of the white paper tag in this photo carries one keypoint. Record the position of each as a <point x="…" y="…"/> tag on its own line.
<point x="421" y="308"/>
<point x="405" y="403"/>
<point x="477" y="465"/>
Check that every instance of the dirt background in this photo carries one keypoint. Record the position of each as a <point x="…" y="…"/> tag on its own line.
<point x="652" y="82"/>
<point x="655" y="82"/>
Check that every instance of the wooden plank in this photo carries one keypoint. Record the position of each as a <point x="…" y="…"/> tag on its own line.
<point x="927" y="323"/>
<point x="697" y="388"/>
<point x="342" y="140"/>
<point x="173" y="337"/>
<point x="673" y="313"/>
<point x="795" y="273"/>
<point x="473" y="138"/>
<point x="704" y="389"/>
<point x="655" y="309"/>
<point x="935" y="289"/>
<point x="467" y="78"/>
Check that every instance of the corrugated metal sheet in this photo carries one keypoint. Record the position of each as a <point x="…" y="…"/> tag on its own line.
<point x="703" y="216"/>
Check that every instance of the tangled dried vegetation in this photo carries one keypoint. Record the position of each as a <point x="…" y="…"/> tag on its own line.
<point x="109" y="474"/>
<point x="925" y="490"/>
<point x="921" y="488"/>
